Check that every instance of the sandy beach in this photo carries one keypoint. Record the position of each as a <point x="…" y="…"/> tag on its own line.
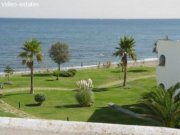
<point x="152" y="62"/>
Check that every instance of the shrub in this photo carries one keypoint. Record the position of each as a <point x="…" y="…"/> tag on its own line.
<point x="57" y="74"/>
<point x="85" y="97"/>
<point x="68" y="73"/>
<point x="85" y="84"/>
<point x="39" y="98"/>
<point x="73" y="71"/>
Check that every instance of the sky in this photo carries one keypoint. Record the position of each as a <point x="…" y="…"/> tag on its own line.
<point x="101" y="9"/>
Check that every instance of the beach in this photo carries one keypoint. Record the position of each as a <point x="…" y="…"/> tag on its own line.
<point x="152" y="62"/>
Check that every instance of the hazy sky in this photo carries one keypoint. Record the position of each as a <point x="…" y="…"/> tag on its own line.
<point x="90" y="8"/>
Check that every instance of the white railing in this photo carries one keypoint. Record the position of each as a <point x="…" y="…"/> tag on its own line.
<point x="17" y="126"/>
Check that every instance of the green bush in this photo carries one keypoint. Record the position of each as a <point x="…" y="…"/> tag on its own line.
<point x="85" y="97"/>
<point x="39" y="98"/>
<point x="57" y="74"/>
<point x="68" y="73"/>
<point x="73" y="71"/>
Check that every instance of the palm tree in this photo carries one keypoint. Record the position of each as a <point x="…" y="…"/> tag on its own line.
<point x="31" y="50"/>
<point x="125" y="50"/>
<point x="8" y="70"/>
<point x="162" y="105"/>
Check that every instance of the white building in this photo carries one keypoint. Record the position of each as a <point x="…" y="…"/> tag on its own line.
<point x="168" y="70"/>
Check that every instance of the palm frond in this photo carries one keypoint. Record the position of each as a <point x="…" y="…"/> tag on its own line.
<point x="126" y="45"/>
<point x="160" y="105"/>
<point x="39" y="57"/>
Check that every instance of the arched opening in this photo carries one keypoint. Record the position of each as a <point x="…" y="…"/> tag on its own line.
<point x="162" y="85"/>
<point x="162" y="60"/>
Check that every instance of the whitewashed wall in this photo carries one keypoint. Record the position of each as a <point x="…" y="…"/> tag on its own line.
<point x="170" y="73"/>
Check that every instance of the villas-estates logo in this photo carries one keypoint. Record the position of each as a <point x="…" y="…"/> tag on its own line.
<point x="25" y="4"/>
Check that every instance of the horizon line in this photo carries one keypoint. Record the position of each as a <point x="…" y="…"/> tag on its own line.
<point x="90" y="18"/>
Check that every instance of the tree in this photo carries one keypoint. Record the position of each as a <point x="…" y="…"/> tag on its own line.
<point x="162" y="105"/>
<point x="125" y="50"/>
<point x="59" y="53"/>
<point x="8" y="70"/>
<point x="31" y="51"/>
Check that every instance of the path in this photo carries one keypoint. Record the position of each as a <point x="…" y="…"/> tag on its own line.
<point x="60" y="88"/>
<point x="121" y="81"/>
<point x="35" y="88"/>
<point x="10" y="109"/>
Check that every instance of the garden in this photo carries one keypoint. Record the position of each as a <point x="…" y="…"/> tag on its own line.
<point x="60" y="94"/>
<point x="106" y="93"/>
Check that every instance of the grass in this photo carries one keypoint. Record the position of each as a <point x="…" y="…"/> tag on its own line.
<point x="99" y="76"/>
<point x="6" y="114"/>
<point x="62" y="104"/>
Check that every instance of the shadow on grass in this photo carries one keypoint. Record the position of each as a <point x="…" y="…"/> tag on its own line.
<point x="117" y="71"/>
<point x="121" y="87"/>
<point x="138" y="70"/>
<point x="13" y="94"/>
<point x="69" y="106"/>
<point x="32" y="105"/>
<point x="109" y="115"/>
<point x="51" y="80"/>
<point x="100" y="89"/>
<point x="134" y="107"/>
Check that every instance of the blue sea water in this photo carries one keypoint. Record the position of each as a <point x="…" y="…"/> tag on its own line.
<point x="90" y="40"/>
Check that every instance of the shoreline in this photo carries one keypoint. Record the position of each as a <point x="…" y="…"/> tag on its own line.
<point x="145" y="62"/>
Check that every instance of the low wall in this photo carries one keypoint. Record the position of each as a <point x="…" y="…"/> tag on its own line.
<point x="19" y="126"/>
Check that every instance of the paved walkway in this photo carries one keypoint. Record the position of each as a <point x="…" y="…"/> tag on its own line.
<point x="35" y="88"/>
<point x="10" y="109"/>
<point x="121" y="81"/>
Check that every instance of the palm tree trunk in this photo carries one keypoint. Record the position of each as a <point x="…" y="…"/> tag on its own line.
<point x="125" y="70"/>
<point x="125" y="74"/>
<point x="32" y="77"/>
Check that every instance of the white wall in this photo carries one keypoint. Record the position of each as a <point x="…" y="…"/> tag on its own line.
<point x="19" y="126"/>
<point x="170" y="73"/>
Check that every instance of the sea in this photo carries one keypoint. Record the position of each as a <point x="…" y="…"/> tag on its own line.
<point x="90" y="40"/>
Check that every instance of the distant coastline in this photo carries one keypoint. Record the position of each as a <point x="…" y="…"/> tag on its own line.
<point x="90" y="40"/>
<point x="152" y="62"/>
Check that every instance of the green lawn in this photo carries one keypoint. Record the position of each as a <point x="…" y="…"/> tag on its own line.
<point x="6" y="114"/>
<point x="62" y="104"/>
<point x="99" y="77"/>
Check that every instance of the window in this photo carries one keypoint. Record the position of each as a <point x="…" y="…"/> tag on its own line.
<point x="162" y="60"/>
<point x="162" y="85"/>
